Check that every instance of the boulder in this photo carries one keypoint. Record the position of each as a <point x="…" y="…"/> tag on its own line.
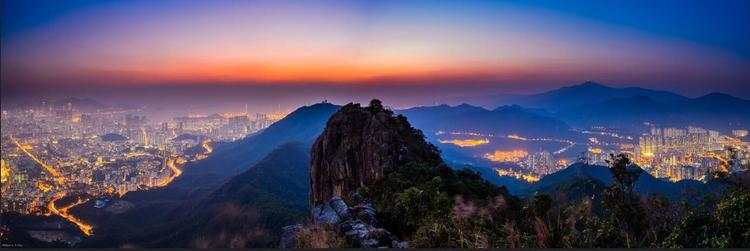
<point x="324" y="214"/>
<point x="289" y="235"/>
<point x="340" y="207"/>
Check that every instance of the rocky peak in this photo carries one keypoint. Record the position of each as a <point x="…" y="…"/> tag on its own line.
<point x="359" y="146"/>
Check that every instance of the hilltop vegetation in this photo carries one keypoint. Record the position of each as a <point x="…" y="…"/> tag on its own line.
<point x="429" y="204"/>
<point x="435" y="206"/>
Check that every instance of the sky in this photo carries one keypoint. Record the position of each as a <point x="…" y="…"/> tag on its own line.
<point x="408" y="51"/>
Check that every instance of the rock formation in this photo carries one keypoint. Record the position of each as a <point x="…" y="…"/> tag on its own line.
<point x="359" y="146"/>
<point x="356" y="224"/>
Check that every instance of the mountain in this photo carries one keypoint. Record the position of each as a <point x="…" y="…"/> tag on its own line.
<point x="303" y="125"/>
<point x="590" y="93"/>
<point x="714" y="111"/>
<point x="246" y="211"/>
<point x="489" y="101"/>
<point x="112" y="137"/>
<point x="429" y="114"/>
<point x="568" y="97"/>
<point x="400" y="176"/>
<point x="646" y="185"/>
<point x="359" y="146"/>
<point x="501" y="121"/>
<point x="264" y="198"/>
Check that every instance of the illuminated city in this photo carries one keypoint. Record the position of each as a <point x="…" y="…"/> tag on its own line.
<point x="50" y="152"/>
<point x="672" y="153"/>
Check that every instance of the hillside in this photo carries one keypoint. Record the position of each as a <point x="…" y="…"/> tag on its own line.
<point x="303" y="125"/>
<point x="246" y="211"/>
<point x="402" y="180"/>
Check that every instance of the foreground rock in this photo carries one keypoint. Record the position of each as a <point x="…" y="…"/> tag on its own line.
<point x="358" y="147"/>
<point x="356" y="224"/>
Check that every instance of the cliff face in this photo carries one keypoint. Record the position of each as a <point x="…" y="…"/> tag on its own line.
<point x="359" y="146"/>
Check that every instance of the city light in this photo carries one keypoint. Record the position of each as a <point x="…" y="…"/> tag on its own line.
<point x="465" y="142"/>
<point x="47" y="167"/>
<point x="103" y="153"/>
<point x="63" y="212"/>
<point x="506" y="156"/>
<point x="517" y="174"/>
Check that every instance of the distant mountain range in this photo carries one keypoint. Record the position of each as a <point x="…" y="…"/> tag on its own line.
<point x="569" y="97"/>
<point x="714" y="111"/>
<point x="500" y="121"/>
<point x="266" y="197"/>
<point x="590" y="93"/>
<point x="593" y="104"/>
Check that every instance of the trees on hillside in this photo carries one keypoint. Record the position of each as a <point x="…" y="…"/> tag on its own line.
<point x="438" y="207"/>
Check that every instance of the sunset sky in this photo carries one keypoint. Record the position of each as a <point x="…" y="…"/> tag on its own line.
<point x="689" y="47"/>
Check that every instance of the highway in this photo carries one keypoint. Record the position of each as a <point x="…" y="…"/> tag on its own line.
<point x="206" y="146"/>
<point x="46" y="166"/>
<point x="63" y="212"/>
<point x="175" y="172"/>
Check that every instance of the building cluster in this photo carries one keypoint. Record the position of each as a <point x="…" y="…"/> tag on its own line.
<point x="671" y="153"/>
<point x="690" y="153"/>
<point x="50" y="150"/>
<point x="530" y="165"/>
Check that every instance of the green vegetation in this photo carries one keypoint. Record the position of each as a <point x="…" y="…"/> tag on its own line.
<point x="435" y="206"/>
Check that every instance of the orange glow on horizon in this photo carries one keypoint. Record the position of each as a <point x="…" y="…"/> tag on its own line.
<point x="232" y="72"/>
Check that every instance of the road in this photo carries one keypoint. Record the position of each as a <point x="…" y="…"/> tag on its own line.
<point x="175" y="172"/>
<point x="206" y="146"/>
<point x="63" y="212"/>
<point x="46" y="166"/>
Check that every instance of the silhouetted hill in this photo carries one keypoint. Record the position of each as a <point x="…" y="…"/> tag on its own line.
<point x="501" y="121"/>
<point x="246" y="211"/>
<point x="187" y="136"/>
<point x="303" y="125"/>
<point x="488" y="102"/>
<point x="717" y="102"/>
<point x="714" y="111"/>
<point x="590" y="93"/>
<point x="112" y="137"/>
<point x="428" y="114"/>
<point x="567" y="97"/>
<point x="252" y="207"/>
